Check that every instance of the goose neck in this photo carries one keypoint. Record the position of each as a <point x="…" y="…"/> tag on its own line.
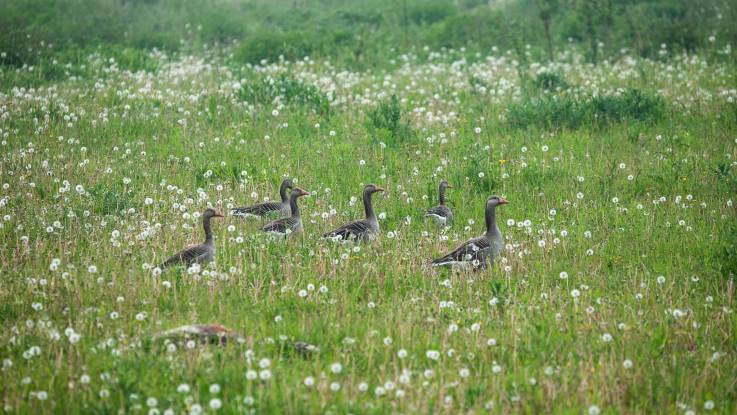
<point x="367" y="205"/>
<point x="208" y="229"/>
<point x="283" y="192"/>
<point x="293" y="206"/>
<point x="491" y="227"/>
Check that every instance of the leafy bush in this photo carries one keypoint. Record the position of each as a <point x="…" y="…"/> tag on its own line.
<point x="550" y="81"/>
<point x="632" y="104"/>
<point x="358" y="32"/>
<point x="429" y="11"/>
<point x="289" y="90"/>
<point x="484" y="30"/>
<point x="131" y="59"/>
<point x="478" y="162"/>
<point x="385" y="122"/>
<point x="548" y="112"/>
<point x="726" y="252"/>
<point x="15" y="45"/>
<point x="270" y="45"/>
<point x="569" y="112"/>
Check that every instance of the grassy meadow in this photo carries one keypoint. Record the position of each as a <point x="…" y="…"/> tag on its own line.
<point x="615" y="292"/>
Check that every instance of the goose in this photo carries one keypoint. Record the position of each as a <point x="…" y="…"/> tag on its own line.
<point x="205" y="333"/>
<point x="364" y="230"/>
<point x="477" y="251"/>
<point x="441" y="214"/>
<point x="292" y="224"/>
<point x="200" y="253"/>
<point x="268" y="208"/>
<point x="218" y="334"/>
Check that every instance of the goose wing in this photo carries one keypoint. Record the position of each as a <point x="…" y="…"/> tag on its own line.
<point x="280" y="225"/>
<point x="260" y="209"/>
<point x="474" y="250"/>
<point x="213" y="333"/>
<point x="352" y="230"/>
<point x="188" y="255"/>
<point x="441" y="211"/>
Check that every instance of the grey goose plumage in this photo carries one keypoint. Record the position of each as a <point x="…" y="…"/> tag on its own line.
<point x="271" y="208"/>
<point x="441" y="214"/>
<point x="364" y="230"/>
<point x="292" y="224"/>
<point x="478" y="252"/>
<point x="199" y="253"/>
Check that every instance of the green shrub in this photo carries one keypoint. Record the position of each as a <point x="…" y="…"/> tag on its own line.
<point x="478" y="162"/>
<point x="15" y="45"/>
<point x="601" y="111"/>
<point x="386" y="122"/>
<point x="550" y="81"/>
<point x="269" y="45"/>
<point x="429" y="11"/>
<point x="547" y="112"/>
<point x="292" y="92"/>
<point x="131" y="59"/>
<point x="481" y="29"/>
<point x="632" y="104"/>
<point x="726" y="252"/>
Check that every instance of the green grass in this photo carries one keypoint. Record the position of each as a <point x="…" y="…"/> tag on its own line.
<point x="357" y="33"/>
<point x="617" y="204"/>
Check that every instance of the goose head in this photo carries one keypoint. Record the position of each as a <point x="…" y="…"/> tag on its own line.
<point x="212" y="213"/>
<point x="495" y="201"/>
<point x="297" y="192"/>
<point x="372" y="188"/>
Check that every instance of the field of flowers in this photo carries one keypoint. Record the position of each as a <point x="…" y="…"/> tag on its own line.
<point x="615" y="292"/>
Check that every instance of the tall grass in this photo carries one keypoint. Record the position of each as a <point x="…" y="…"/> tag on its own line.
<point x="615" y="290"/>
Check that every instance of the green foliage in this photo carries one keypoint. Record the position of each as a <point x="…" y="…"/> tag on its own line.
<point x="205" y="174"/>
<point x="358" y="33"/>
<point x="110" y="200"/>
<point x="481" y="29"/>
<point x="550" y="81"/>
<point x="428" y="11"/>
<point x="386" y="123"/>
<point x="726" y="176"/>
<point x="598" y="200"/>
<point x="673" y="23"/>
<point x="632" y="104"/>
<point x="536" y="177"/>
<point x="569" y="112"/>
<point x="478" y="170"/>
<point x="264" y="91"/>
<point x="727" y="253"/>
<point x="272" y="45"/>
<point x="132" y="59"/>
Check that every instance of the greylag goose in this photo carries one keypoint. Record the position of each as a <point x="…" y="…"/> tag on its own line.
<point x="200" y="253"/>
<point x="364" y="230"/>
<point x="478" y="251"/>
<point x="269" y="208"/>
<point x="292" y="224"/>
<point x="441" y="214"/>
<point x="205" y="333"/>
<point x="217" y="334"/>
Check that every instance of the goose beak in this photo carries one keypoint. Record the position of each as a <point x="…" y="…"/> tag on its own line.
<point x="218" y="215"/>
<point x="503" y="201"/>
<point x="380" y="189"/>
<point x="304" y="193"/>
<point x="449" y="186"/>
